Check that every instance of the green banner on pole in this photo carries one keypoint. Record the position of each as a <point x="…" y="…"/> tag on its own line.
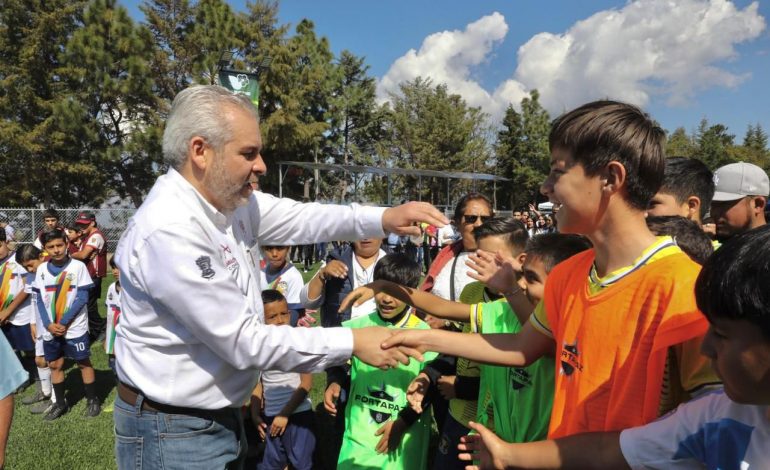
<point x="242" y="83"/>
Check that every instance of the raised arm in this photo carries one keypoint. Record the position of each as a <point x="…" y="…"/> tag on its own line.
<point x="504" y="349"/>
<point x="423" y="301"/>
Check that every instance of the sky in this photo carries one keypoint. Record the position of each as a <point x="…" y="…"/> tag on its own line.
<point x="680" y="60"/>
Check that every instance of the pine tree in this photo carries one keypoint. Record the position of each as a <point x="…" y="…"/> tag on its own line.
<point x="522" y="151"/>
<point x="171" y="24"/>
<point x="111" y="94"/>
<point x="38" y="163"/>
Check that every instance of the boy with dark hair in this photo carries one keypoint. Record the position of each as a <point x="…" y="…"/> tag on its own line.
<point x="15" y="306"/>
<point x="458" y="379"/>
<point x="30" y="257"/>
<point x="687" y="189"/>
<point x="687" y="235"/>
<point x="93" y="253"/>
<point x="720" y="430"/>
<point x="381" y="430"/>
<point x="51" y="220"/>
<point x="609" y="315"/>
<point x="280" y="407"/>
<point x="281" y="275"/>
<point x="61" y="289"/>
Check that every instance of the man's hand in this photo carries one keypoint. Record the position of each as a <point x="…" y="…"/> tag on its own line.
<point x="358" y="296"/>
<point x="416" y="391"/>
<point x="485" y="448"/>
<point x="334" y="268"/>
<point x="5" y="314"/>
<point x="392" y="432"/>
<point x="331" y="396"/>
<point x="410" y="339"/>
<point x="406" y="218"/>
<point x="278" y="426"/>
<point x="367" y="346"/>
<point x="496" y="271"/>
<point x="33" y="331"/>
<point x="446" y="386"/>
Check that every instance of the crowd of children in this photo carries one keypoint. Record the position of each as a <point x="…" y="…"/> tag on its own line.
<point x="627" y="339"/>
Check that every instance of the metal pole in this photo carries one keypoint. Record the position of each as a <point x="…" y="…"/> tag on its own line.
<point x="280" y="180"/>
<point x="387" y="179"/>
<point x="419" y="188"/>
<point x="448" y="201"/>
<point x="316" y="174"/>
<point x="494" y="194"/>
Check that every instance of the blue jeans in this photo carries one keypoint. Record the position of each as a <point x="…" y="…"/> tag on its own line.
<point x="153" y="440"/>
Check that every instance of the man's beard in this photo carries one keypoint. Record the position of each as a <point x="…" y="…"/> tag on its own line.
<point x="224" y="190"/>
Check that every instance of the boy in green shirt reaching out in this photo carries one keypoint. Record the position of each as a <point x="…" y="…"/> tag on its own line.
<point x="381" y="430"/>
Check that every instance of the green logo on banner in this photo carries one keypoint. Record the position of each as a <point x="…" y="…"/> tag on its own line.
<point x="242" y="83"/>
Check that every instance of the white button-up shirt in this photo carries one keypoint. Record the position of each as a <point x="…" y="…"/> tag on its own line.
<point x="192" y="330"/>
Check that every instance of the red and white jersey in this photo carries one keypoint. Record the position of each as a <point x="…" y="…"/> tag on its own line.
<point x="97" y="262"/>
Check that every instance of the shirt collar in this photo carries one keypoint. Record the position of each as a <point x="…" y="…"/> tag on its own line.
<point x="219" y="219"/>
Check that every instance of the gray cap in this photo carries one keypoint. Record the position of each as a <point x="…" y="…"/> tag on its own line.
<point x="738" y="180"/>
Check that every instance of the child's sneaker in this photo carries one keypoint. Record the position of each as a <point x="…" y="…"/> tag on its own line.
<point x="41" y="407"/>
<point x="56" y="411"/>
<point x="38" y="396"/>
<point x="93" y="408"/>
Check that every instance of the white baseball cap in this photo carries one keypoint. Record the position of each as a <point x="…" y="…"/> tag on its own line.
<point x="738" y="180"/>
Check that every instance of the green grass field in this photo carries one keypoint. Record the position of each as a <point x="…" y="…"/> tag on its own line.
<point x="75" y="442"/>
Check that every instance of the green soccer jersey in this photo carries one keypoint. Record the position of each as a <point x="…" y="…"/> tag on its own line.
<point x="521" y="398"/>
<point x="377" y="396"/>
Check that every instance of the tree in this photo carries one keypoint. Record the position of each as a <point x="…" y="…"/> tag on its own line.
<point x="428" y="128"/>
<point x="216" y="29"/>
<point x="171" y="23"/>
<point x="522" y="151"/>
<point x="298" y="88"/>
<point x="679" y="144"/>
<point x="713" y="143"/>
<point x="37" y="161"/>
<point x="106" y="66"/>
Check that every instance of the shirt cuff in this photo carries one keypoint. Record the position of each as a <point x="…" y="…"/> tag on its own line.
<point x="369" y="219"/>
<point x="627" y="447"/>
<point x="340" y="341"/>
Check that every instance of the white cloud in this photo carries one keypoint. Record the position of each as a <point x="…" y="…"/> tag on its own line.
<point x="448" y="57"/>
<point x="669" y="49"/>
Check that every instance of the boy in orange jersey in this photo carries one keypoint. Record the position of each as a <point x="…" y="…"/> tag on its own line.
<point x="609" y="315"/>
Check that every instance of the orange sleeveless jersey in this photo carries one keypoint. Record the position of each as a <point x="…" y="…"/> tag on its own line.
<point x="611" y="346"/>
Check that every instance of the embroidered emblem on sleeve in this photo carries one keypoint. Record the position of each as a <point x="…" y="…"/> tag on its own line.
<point x="204" y="263"/>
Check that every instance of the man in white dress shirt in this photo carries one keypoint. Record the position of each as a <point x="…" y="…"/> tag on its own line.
<point x="191" y="339"/>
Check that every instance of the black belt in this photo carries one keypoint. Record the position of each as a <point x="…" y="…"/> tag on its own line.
<point x="130" y="395"/>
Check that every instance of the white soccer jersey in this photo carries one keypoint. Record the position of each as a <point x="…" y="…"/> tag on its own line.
<point x="289" y="283"/>
<point x="112" y="301"/>
<point x="710" y="432"/>
<point x="58" y="292"/>
<point x="12" y="283"/>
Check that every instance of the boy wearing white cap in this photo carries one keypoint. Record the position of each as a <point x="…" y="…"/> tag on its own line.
<point x="740" y="198"/>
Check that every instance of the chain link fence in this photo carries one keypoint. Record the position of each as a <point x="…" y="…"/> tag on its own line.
<point x="27" y="223"/>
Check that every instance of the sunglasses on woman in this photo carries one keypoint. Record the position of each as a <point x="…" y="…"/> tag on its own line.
<point x="471" y="219"/>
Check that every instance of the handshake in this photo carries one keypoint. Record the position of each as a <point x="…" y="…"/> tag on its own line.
<point x="385" y="348"/>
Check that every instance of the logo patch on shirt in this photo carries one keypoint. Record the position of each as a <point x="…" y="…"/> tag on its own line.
<point x="519" y="378"/>
<point x="380" y="403"/>
<point x="570" y="359"/>
<point x="204" y="264"/>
